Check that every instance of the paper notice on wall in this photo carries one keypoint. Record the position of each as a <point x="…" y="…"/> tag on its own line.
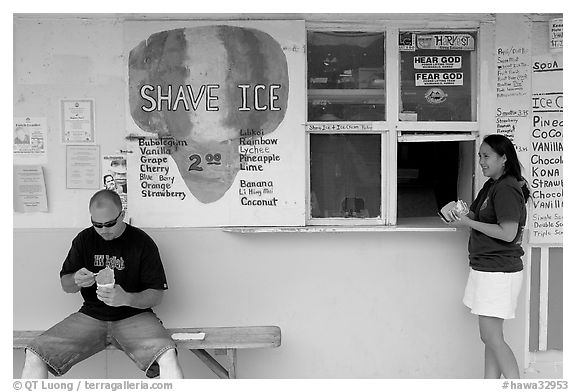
<point x="29" y="189"/>
<point x="82" y="167"/>
<point x="513" y="71"/>
<point x="29" y="138"/>
<point x="114" y="176"/>
<point x="513" y="96"/>
<point x="513" y="82"/>
<point x="556" y="33"/>
<point x="77" y="118"/>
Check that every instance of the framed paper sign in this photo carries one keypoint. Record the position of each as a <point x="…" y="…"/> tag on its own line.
<point x="77" y="116"/>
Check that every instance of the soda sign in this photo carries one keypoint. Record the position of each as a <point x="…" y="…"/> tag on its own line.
<point x="439" y="78"/>
<point x="437" y="62"/>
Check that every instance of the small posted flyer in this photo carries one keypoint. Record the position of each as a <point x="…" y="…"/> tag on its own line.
<point x="82" y="167"/>
<point x="29" y="189"/>
<point x="29" y="138"/>
<point x="114" y="176"/>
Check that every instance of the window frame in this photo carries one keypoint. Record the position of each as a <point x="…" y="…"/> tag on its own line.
<point x="392" y="129"/>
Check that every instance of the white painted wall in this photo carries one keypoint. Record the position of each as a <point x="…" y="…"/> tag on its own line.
<point x="68" y="58"/>
<point x="350" y="305"/>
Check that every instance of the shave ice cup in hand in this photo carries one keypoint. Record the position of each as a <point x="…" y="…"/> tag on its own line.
<point x="459" y="206"/>
<point x="105" y="277"/>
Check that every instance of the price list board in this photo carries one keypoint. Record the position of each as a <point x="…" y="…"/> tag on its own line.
<point x="546" y="151"/>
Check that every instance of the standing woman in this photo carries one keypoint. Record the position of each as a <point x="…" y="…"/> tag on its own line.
<point x="496" y="221"/>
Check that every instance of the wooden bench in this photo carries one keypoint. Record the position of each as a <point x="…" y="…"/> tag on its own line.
<point x="223" y="340"/>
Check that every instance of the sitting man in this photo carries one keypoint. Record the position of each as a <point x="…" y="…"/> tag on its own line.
<point x="120" y="314"/>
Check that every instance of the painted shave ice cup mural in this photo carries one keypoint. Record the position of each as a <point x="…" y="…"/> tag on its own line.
<point x="202" y="90"/>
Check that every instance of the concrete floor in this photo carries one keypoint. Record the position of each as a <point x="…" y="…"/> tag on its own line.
<point x="544" y="365"/>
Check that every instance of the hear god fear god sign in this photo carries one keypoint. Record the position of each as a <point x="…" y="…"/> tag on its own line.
<point x="216" y="123"/>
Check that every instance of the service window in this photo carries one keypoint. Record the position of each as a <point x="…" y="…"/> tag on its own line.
<point x="437" y="76"/>
<point x="346" y="76"/>
<point x="346" y="87"/>
<point x="354" y="177"/>
<point x="431" y="174"/>
<point x="438" y="84"/>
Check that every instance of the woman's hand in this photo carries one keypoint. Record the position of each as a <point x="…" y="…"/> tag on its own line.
<point x="456" y="219"/>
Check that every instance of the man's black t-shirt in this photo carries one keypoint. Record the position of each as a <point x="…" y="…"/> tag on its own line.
<point x="133" y="256"/>
<point x="498" y="201"/>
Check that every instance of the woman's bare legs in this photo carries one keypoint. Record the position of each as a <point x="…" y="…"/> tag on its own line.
<point x="499" y="358"/>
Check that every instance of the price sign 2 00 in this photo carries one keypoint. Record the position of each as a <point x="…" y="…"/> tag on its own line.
<point x="211" y="159"/>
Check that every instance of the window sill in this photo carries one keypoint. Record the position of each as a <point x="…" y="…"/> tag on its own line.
<point x="406" y="225"/>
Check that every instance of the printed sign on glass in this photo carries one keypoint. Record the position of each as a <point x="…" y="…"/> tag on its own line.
<point x="448" y="41"/>
<point x="439" y="79"/>
<point x="437" y="62"/>
<point x="407" y="42"/>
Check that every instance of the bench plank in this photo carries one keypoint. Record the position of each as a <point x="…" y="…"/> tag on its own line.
<point x="231" y="337"/>
<point x="216" y="337"/>
<point x="220" y="339"/>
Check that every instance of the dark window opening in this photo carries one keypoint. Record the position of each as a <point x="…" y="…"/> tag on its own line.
<point x="431" y="174"/>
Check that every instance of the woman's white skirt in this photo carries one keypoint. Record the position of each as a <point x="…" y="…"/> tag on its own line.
<point x="493" y="294"/>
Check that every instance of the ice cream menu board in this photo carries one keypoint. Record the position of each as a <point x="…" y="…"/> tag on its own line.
<point x="215" y="123"/>
<point x="546" y="160"/>
<point x="513" y="82"/>
<point x="513" y="96"/>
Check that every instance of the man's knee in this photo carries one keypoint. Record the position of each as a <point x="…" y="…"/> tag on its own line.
<point x="169" y="366"/>
<point x="34" y="366"/>
<point x="168" y="357"/>
<point x="33" y="359"/>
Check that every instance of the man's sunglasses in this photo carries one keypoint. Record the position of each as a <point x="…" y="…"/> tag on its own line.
<point x="106" y="224"/>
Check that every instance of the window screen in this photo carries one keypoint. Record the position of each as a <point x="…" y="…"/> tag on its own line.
<point x="346" y="76"/>
<point x="345" y="175"/>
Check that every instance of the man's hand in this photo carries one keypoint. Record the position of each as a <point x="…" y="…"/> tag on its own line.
<point x="84" y="278"/>
<point x="113" y="296"/>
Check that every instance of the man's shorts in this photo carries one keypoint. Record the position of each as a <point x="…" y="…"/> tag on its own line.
<point x="493" y="294"/>
<point x="142" y="337"/>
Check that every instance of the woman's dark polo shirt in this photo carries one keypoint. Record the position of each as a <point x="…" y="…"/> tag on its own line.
<point x="497" y="202"/>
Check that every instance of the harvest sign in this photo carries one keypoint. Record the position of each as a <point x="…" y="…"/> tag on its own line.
<point x="206" y="103"/>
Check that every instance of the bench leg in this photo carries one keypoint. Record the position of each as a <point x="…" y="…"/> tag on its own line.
<point x="231" y="354"/>
<point x="213" y="364"/>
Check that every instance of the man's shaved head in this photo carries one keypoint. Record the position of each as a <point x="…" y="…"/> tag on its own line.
<point x="104" y="197"/>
